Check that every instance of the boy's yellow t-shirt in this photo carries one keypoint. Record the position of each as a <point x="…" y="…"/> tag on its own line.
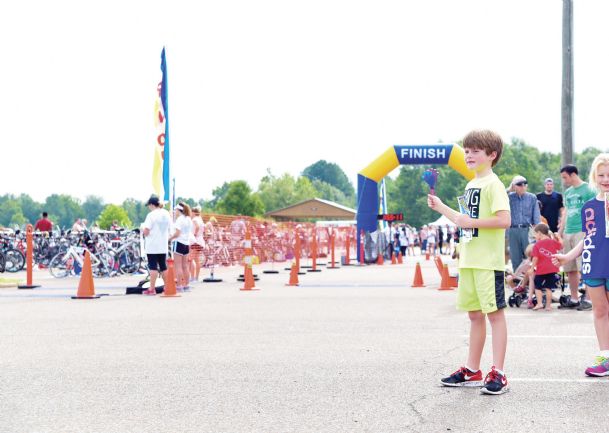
<point x="486" y="249"/>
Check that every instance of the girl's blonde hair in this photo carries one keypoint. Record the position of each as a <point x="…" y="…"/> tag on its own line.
<point x="601" y="159"/>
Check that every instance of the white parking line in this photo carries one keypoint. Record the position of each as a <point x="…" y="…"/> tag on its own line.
<point x="537" y="379"/>
<point x="544" y="337"/>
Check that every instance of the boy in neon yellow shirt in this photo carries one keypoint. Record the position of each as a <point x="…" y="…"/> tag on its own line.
<point x="484" y="216"/>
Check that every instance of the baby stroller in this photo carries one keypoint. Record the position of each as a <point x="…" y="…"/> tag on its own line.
<point x="520" y="294"/>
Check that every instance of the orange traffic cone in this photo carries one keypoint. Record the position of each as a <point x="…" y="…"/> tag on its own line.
<point x="248" y="273"/>
<point x="445" y="283"/>
<point x="393" y="259"/>
<point x="293" y="276"/>
<point x="400" y="258"/>
<point x="170" y="290"/>
<point x="427" y="255"/>
<point x="379" y="259"/>
<point x="418" y="277"/>
<point x="248" y="279"/>
<point x="86" y="288"/>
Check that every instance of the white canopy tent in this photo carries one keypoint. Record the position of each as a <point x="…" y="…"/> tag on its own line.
<point x="443" y="221"/>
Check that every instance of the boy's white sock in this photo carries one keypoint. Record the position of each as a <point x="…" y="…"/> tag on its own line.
<point x="471" y="369"/>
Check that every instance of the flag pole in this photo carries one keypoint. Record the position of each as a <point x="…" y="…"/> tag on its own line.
<point x="173" y="201"/>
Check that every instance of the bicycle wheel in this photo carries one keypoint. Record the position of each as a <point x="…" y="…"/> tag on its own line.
<point x="128" y="262"/>
<point x="105" y="267"/>
<point x="15" y="260"/>
<point x="61" y="265"/>
<point x="2" y="262"/>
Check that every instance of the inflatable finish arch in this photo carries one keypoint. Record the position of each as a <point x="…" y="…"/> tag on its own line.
<point x="368" y="178"/>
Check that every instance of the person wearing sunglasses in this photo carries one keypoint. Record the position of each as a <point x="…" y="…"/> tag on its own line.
<point x="525" y="214"/>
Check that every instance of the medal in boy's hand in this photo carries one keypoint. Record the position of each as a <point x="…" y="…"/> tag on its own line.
<point x="430" y="176"/>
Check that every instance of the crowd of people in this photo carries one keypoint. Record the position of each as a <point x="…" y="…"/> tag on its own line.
<point x="430" y="239"/>
<point x="558" y="218"/>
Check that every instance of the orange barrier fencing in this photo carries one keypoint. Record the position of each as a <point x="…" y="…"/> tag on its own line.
<point x="224" y="235"/>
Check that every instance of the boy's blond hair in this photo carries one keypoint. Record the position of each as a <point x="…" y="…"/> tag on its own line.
<point x="601" y="159"/>
<point x="484" y="139"/>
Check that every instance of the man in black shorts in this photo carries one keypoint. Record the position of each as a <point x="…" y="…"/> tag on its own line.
<point x="156" y="235"/>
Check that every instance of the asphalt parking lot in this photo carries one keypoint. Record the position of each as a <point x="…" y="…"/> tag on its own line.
<point x="349" y="350"/>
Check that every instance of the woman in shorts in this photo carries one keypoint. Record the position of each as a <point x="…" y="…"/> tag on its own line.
<point x="196" y="243"/>
<point x="181" y="248"/>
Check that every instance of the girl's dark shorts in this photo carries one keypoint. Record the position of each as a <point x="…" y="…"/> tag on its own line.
<point x="181" y="249"/>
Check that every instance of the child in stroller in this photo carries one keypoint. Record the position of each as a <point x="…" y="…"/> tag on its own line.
<point x="519" y="281"/>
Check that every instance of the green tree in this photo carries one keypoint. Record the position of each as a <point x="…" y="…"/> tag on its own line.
<point x="218" y="194"/>
<point x="330" y="173"/>
<point x="31" y="209"/>
<point x="63" y="209"/>
<point x="520" y="159"/>
<point x="329" y="192"/>
<point x="277" y="192"/>
<point x="239" y="200"/>
<point x="93" y="207"/>
<point x="113" y="213"/>
<point x="304" y="190"/>
<point x="10" y="212"/>
<point x="189" y="201"/>
<point x="583" y="161"/>
<point x="136" y="210"/>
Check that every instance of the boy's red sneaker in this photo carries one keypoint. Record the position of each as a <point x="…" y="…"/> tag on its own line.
<point x="463" y="377"/>
<point x="495" y="383"/>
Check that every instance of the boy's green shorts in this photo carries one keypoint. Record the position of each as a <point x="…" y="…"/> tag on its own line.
<point x="481" y="290"/>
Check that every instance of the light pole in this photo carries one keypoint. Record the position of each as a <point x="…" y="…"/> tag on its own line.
<point x="567" y="83"/>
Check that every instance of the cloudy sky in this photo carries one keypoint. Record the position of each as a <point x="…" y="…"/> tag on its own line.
<point x="257" y="85"/>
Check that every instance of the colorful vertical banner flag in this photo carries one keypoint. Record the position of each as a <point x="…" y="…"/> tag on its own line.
<point x="160" y="167"/>
<point x="383" y="204"/>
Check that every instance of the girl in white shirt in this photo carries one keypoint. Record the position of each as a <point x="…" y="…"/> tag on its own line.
<point x="196" y="243"/>
<point x="182" y="230"/>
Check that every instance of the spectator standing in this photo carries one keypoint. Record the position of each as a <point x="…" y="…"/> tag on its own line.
<point x="412" y="239"/>
<point x="525" y="214"/>
<point x="196" y="243"/>
<point x="77" y="227"/>
<point x="431" y="240"/>
<point x="181" y="234"/>
<point x="44" y="224"/>
<point x="440" y="239"/>
<point x="577" y="193"/>
<point x="156" y="239"/>
<point x="423" y="238"/>
<point x="449" y="239"/>
<point x="403" y="240"/>
<point x="551" y="204"/>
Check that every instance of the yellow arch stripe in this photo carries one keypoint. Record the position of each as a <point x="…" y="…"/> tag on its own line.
<point x="384" y="164"/>
<point x="381" y="166"/>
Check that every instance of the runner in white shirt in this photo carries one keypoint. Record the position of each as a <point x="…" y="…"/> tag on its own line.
<point x="156" y="235"/>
